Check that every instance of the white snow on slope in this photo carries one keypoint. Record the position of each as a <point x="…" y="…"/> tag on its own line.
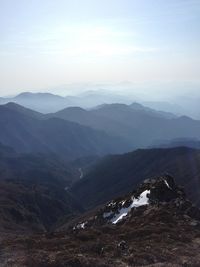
<point x="80" y="226"/>
<point x="136" y="202"/>
<point x="167" y="184"/>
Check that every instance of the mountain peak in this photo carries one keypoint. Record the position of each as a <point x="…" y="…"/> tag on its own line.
<point x="136" y="105"/>
<point x="23" y="110"/>
<point x="28" y="95"/>
<point x="151" y="192"/>
<point x="160" y="192"/>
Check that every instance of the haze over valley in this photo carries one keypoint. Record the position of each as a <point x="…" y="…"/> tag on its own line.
<point x="99" y="133"/>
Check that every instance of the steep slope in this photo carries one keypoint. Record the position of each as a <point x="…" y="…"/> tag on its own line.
<point x="27" y="206"/>
<point x="115" y="174"/>
<point x="163" y="230"/>
<point x="28" y="112"/>
<point x="34" y="168"/>
<point x="25" y="133"/>
<point x="32" y="191"/>
<point x="151" y="193"/>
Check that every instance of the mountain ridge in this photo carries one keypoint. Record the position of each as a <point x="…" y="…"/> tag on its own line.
<point x="26" y="132"/>
<point x="114" y="175"/>
<point x="165" y="231"/>
<point x="141" y="127"/>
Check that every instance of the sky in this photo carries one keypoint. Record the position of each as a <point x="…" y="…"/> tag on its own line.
<point x="50" y="43"/>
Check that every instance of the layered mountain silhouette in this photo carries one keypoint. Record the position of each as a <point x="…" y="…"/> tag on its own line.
<point x="47" y="102"/>
<point x="42" y="102"/>
<point x="25" y="111"/>
<point x="28" y="131"/>
<point x="65" y="195"/>
<point x="178" y="142"/>
<point x="138" y="125"/>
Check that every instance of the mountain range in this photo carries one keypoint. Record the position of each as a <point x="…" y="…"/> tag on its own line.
<point x="96" y="131"/>
<point x="41" y="102"/>
<point x="65" y="181"/>
<point x="47" y="102"/>
<point x="140" y="126"/>
<point x="27" y="131"/>
<point x="185" y="103"/>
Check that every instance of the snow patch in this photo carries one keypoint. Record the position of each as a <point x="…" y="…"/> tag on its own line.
<point x="123" y="202"/>
<point x="142" y="200"/>
<point x="136" y="202"/>
<point x="111" y="204"/>
<point x="122" y="213"/>
<point x="80" y="226"/>
<point x="167" y="184"/>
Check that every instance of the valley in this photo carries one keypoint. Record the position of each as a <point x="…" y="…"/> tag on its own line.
<point x="66" y="181"/>
<point x="99" y="133"/>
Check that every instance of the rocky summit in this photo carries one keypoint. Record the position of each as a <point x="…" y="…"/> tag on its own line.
<point x="155" y="225"/>
<point x="152" y="194"/>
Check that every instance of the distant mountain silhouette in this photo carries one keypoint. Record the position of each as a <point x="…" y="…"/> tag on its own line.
<point x="91" y="98"/>
<point x="138" y="125"/>
<point x="158" y="113"/>
<point x="42" y="102"/>
<point x="28" y="95"/>
<point x="186" y="142"/>
<point x="18" y="108"/>
<point x="165" y="106"/>
<point x="47" y="102"/>
<point x="135" y="126"/>
<point x="24" y="132"/>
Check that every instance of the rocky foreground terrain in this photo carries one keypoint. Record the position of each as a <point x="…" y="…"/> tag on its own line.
<point x="153" y="226"/>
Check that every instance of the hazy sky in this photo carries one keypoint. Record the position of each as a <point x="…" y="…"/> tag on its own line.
<point x="45" y="43"/>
